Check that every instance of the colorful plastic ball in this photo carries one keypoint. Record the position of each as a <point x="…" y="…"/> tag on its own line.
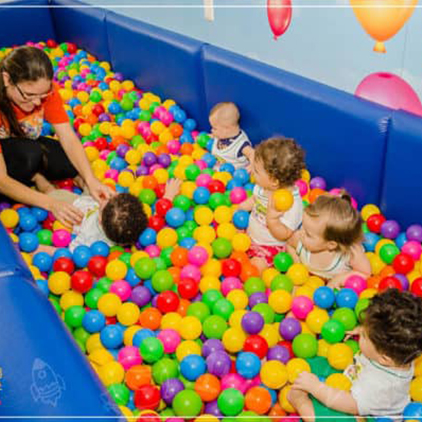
<point x="28" y="242"/>
<point x="301" y="306"/>
<point x="374" y="222"/>
<point x="388" y="252"/>
<point x="151" y="349"/>
<point x="187" y="403"/>
<point x="258" y="400"/>
<point x="340" y="382"/>
<point x="231" y="402"/>
<point x="116" y="270"/>
<point x="111" y="373"/>
<point x="256" y="344"/>
<point x="59" y="282"/>
<point x="289" y="328"/>
<point x="403" y="263"/>
<point x="190" y="328"/>
<point x="170" y="388"/>
<point x="147" y="397"/>
<point x="221" y="247"/>
<point x="274" y="374"/>
<point x="390" y="229"/>
<point x="192" y="367"/>
<point x="162" y="280"/>
<point x="42" y="261"/>
<point x="281" y="301"/>
<point x="295" y="367"/>
<point x="414" y="232"/>
<point x="129" y="356"/>
<point x="324" y="297"/>
<point x="252" y="322"/>
<point x="346" y="298"/>
<point x="238" y="195"/>
<point x="74" y="316"/>
<point x="340" y="356"/>
<point x="283" y="261"/>
<point x="93" y="321"/>
<point x="279" y="353"/>
<point x="413" y="249"/>
<point x="333" y="331"/>
<point x="61" y="238"/>
<point x="208" y="387"/>
<point x="218" y="363"/>
<point x="111" y="336"/>
<point x="347" y="317"/>
<point x="283" y="200"/>
<point x="356" y="283"/>
<point x="416" y="287"/>
<point x="197" y="256"/>
<point x="305" y="346"/>
<point x="241" y="219"/>
<point x="9" y="218"/>
<point x="248" y="365"/>
<point x="175" y="217"/>
<point x="298" y="273"/>
<point x="170" y="339"/>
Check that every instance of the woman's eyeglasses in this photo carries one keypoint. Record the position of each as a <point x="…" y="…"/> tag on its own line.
<point x="32" y="97"/>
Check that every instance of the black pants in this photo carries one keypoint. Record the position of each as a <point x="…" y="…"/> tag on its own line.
<point x="26" y="157"/>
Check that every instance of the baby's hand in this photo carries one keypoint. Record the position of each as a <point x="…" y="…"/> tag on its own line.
<point x="172" y="188"/>
<point x="355" y="332"/>
<point x="337" y="282"/>
<point x="306" y="382"/>
<point x="272" y="213"/>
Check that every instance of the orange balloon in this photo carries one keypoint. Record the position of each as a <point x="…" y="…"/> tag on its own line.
<point x="382" y="19"/>
<point x="208" y="387"/>
<point x="150" y="318"/>
<point x="258" y="399"/>
<point x="138" y="375"/>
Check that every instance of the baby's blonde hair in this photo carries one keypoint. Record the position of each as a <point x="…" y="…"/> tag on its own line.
<point x="344" y="224"/>
<point x="227" y="112"/>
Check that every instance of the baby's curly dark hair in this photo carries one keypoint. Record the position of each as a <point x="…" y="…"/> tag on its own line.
<point x="282" y="158"/>
<point x="393" y="323"/>
<point x="123" y="219"/>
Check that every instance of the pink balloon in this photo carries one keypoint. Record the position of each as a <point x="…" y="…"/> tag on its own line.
<point x="389" y="90"/>
<point x="279" y="16"/>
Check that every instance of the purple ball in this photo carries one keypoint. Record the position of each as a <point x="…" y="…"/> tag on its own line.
<point x="210" y="346"/>
<point x="149" y="159"/>
<point x="154" y="301"/>
<point x="279" y="353"/>
<point x="164" y="160"/>
<point x="414" y="232"/>
<point x="142" y="171"/>
<point x="390" y="229"/>
<point x="141" y="296"/>
<point x="252" y="322"/>
<point x="119" y="77"/>
<point x="219" y="363"/>
<point x="197" y="298"/>
<point x="318" y="183"/>
<point x="290" y="328"/>
<point x="170" y="388"/>
<point x="122" y="149"/>
<point x="403" y="280"/>
<point x="256" y="298"/>
<point x="104" y="117"/>
<point x="212" y="408"/>
<point x="4" y="206"/>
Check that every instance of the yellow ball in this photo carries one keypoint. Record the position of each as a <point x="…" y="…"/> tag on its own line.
<point x="125" y="179"/>
<point x="314" y="282"/>
<point x="99" y="165"/>
<point x="223" y="214"/>
<point x="71" y="298"/>
<point x="165" y="136"/>
<point x="168" y="103"/>
<point x="416" y="389"/>
<point x="233" y="340"/>
<point x="128" y="132"/>
<point x="157" y="127"/>
<point x="268" y="275"/>
<point x="203" y="234"/>
<point x="128" y="85"/>
<point x="82" y="96"/>
<point x="161" y="175"/>
<point x="92" y="153"/>
<point x="340" y="356"/>
<point x="306" y="176"/>
<point x="133" y="157"/>
<point x="273" y="374"/>
<point x="316" y="319"/>
<point x="280" y="301"/>
<point x="116" y="270"/>
<point x="226" y="230"/>
<point x="188" y="188"/>
<point x="207" y="247"/>
<point x="238" y="298"/>
<point x="381" y="243"/>
<point x="190" y="328"/>
<point x="137" y="256"/>
<point x="203" y="216"/>
<point x="369" y="210"/>
<point x="339" y="381"/>
<point x="376" y="262"/>
<point x="172" y="320"/>
<point x="114" y="86"/>
<point x="93" y="343"/>
<point x="108" y="96"/>
<point x="9" y="218"/>
<point x="206" y="418"/>
<point x="295" y="367"/>
<point x="298" y="273"/>
<point x="59" y="282"/>
<point x="212" y="268"/>
<point x="129" y="333"/>
<point x="128" y="314"/>
<point x="126" y="411"/>
<point x="305" y="291"/>
<point x="323" y="347"/>
<point x="283" y="199"/>
<point x="85" y="129"/>
<point x="235" y="319"/>
<point x="368" y="293"/>
<point x="112" y="373"/>
<point x="144" y="104"/>
<point x="186" y="348"/>
<point x="270" y="334"/>
<point x="209" y="283"/>
<point x="105" y="128"/>
<point x="241" y="242"/>
<point x="166" y="238"/>
<point x="100" y="357"/>
<point x="109" y="304"/>
<point x="282" y="399"/>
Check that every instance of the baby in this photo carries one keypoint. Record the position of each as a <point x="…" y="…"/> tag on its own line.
<point x="390" y="339"/>
<point x="329" y="241"/>
<point x="231" y="144"/>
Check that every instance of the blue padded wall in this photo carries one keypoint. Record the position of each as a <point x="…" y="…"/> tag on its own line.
<point x="402" y="189"/>
<point x="158" y="60"/>
<point x="28" y="20"/>
<point x="82" y="26"/>
<point x="344" y="137"/>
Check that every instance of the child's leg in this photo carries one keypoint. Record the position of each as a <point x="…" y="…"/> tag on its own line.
<point x="259" y="263"/>
<point x="302" y="403"/>
<point x="42" y="184"/>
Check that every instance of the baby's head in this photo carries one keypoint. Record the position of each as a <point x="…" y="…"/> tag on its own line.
<point x="331" y="223"/>
<point x="278" y="163"/>
<point x="123" y="219"/>
<point x="224" y="120"/>
<point x="392" y="331"/>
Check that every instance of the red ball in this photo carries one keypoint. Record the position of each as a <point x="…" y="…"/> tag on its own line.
<point x="51" y="43"/>
<point x="101" y="144"/>
<point x="98" y="109"/>
<point x="65" y="184"/>
<point x="374" y="222"/>
<point x="231" y="268"/>
<point x="160" y="190"/>
<point x="156" y="222"/>
<point x="162" y="206"/>
<point x="188" y="288"/>
<point x="147" y="397"/>
<point x="416" y="287"/>
<point x="256" y="344"/>
<point x="82" y="281"/>
<point x="389" y="282"/>
<point x="97" y="265"/>
<point x="167" y="301"/>
<point x="149" y="417"/>
<point x="64" y="264"/>
<point x="288" y="346"/>
<point x="216" y="186"/>
<point x="71" y="48"/>
<point x="403" y="263"/>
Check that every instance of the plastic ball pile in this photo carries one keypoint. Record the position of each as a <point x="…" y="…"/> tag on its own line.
<point x="182" y="325"/>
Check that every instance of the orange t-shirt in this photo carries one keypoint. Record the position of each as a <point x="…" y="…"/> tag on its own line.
<point x="51" y="109"/>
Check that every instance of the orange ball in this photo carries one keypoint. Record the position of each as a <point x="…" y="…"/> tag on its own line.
<point x="92" y="119"/>
<point x="183" y="307"/>
<point x="240" y="256"/>
<point x="77" y="110"/>
<point x="276" y="413"/>
<point x="387" y="271"/>
<point x="175" y="272"/>
<point x="162" y="149"/>
<point x="150" y="318"/>
<point x="248" y="271"/>
<point x="176" y="129"/>
<point x="258" y="399"/>
<point x="118" y="140"/>
<point x="149" y="182"/>
<point x="179" y="257"/>
<point x="373" y="282"/>
<point x="208" y="387"/>
<point x="314" y="193"/>
<point x="114" y="255"/>
<point x="186" y="149"/>
<point x="138" y="375"/>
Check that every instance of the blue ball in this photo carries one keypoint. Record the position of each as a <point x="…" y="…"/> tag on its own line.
<point x="28" y="222"/>
<point x="401" y="239"/>
<point x="62" y="253"/>
<point x="201" y="195"/>
<point x="189" y="124"/>
<point x="347" y="298"/>
<point x="210" y="144"/>
<point x="233" y="184"/>
<point x="100" y="248"/>
<point x="39" y="213"/>
<point x="189" y="215"/>
<point x="229" y="167"/>
<point x="413" y="411"/>
<point x="94" y="321"/>
<point x="175" y="217"/>
<point x="118" y="163"/>
<point x="209" y="159"/>
<point x="324" y="297"/>
<point x="370" y="241"/>
<point x="186" y="138"/>
<point x="111" y="336"/>
<point x="141" y="335"/>
<point x="192" y="367"/>
<point x="28" y="242"/>
<point x="241" y="175"/>
<point x="178" y="114"/>
<point x="248" y="365"/>
<point x="43" y="286"/>
<point x="187" y="242"/>
<point x="81" y="256"/>
<point x="132" y="278"/>
<point x="241" y="219"/>
<point x="43" y="261"/>
<point x="114" y="108"/>
<point x="148" y="237"/>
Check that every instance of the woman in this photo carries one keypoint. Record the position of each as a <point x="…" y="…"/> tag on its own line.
<point x="27" y="97"/>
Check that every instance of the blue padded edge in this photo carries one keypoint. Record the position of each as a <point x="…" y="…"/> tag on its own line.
<point x="26" y="21"/>
<point x="344" y="136"/>
<point x="158" y="60"/>
<point x="402" y="189"/>
<point x="84" y="26"/>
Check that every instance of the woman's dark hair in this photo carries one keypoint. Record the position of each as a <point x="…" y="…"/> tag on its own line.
<point x="23" y="64"/>
<point x="123" y="219"/>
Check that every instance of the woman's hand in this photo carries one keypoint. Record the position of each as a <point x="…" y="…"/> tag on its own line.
<point x="66" y="213"/>
<point x="99" y="191"/>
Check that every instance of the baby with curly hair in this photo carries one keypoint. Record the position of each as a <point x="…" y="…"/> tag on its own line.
<point x="278" y="163"/>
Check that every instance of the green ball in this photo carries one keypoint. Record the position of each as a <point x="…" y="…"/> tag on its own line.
<point x="333" y="331"/>
<point x="151" y="349"/>
<point x="214" y="326"/>
<point x="388" y="252"/>
<point x="182" y="202"/>
<point x="187" y="403"/>
<point x="147" y="196"/>
<point x="266" y="312"/>
<point x="160" y="263"/>
<point x="125" y="257"/>
<point x="199" y="310"/>
<point x="360" y="308"/>
<point x="210" y="297"/>
<point x="145" y="268"/>
<point x="119" y="393"/>
<point x="305" y="346"/>
<point x="81" y="334"/>
<point x="230" y="402"/>
<point x="145" y="116"/>
<point x="192" y="171"/>
<point x="45" y="237"/>
<point x="254" y="285"/>
<point x="365" y="228"/>
<point x="95" y="97"/>
<point x="182" y="233"/>
<point x="190" y="225"/>
<point x="81" y="345"/>
<point x="283" y="261"/>
<point x="165" y="254"/>
<point x="73" y="316"/>
<point x="353" y="344"/>
<point x="223" y="308"/>
<point x="110" y="156"/>
<point x="165" y="369"/>
<point x="56" y="305"/>
<point x="92" y="297"/>
<point x="216" y="199"/>
<point x="162" y="280"/>
<point x="282" y="282"/>
<point x="347" y="317"/>
<point x="137" y="140"/>
<point x="153" y="106"/>
<point x="202" y="139"/>
<point x="279" y="317"/>
<point x="221" y="247"/>
<point x="126" y="104"/>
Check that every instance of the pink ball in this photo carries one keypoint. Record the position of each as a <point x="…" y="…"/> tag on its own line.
<point x="158" y="112"/>
<point x="167" y="118"/>
<point x="122" y="289"/>
<point x="302" y="186"/>
<point x="129" y="356"/>
<point x="301" y="306"/>
<point x="153" y="251"/>
<point x="89" y="144"/>
<point x="170" y="339"/>
<point x="194" y="134"/>
<point x="233" y="381"/>
<point x="412" y="248"/>
<point x="174" y="419"/>
<point x="174" y="146"/>
<point x="335" y="191"/>
<point x="155" y="167"/>
<point x="254" y="382"/>
<point x="203" y="180"/>
<point x="190" y="271"/>
<point x="238" y="195"/>
<point x="229" y="284"/>
<point x="61" y="238"/>
<point x="197" y="256"/>
<point x="104" y="154"/>
<point x="356" y="283"/>
<point x="112" y="174"/>
<point x="201" y="164"/>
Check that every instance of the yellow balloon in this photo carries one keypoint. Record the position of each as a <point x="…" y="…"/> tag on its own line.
<point x="296" y="366"/>
<point x="273" y="374"/>
<point x="339" y="381"/>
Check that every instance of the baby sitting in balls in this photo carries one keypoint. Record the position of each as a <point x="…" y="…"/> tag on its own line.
<point x="390" y="340"/>
<point x="231" y="144"/>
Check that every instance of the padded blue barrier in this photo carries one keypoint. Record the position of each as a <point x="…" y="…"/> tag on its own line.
<point x="344" y="137"/>
<point x="158" y="60"/>
<point x="83" y="26"/>
<point x="402" y="189"/>
<point x="27" y="20"/>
